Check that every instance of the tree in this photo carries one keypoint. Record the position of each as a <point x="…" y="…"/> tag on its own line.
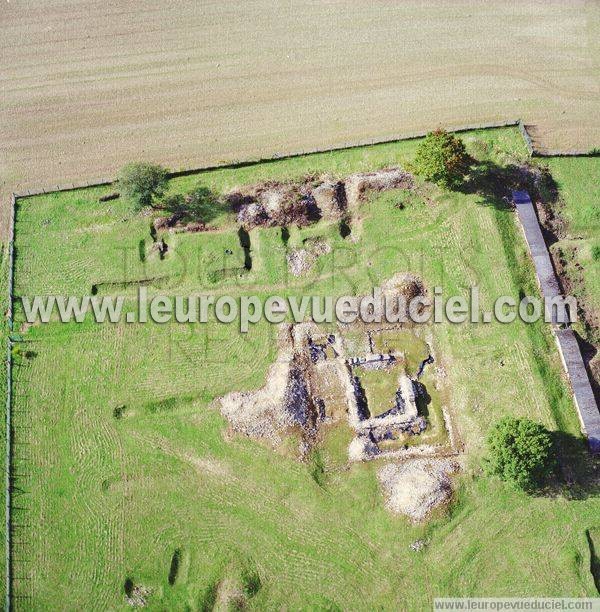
<point x="442" y="158"/>
<point x="142" y="182"/>
<point x="200" y="204"/>
<point x="520" y="452"/>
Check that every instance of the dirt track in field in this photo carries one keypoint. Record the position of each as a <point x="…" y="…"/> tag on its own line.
<point x="88" y="85"/>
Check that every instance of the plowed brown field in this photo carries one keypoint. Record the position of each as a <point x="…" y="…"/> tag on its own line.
<point x="88" y="85"/>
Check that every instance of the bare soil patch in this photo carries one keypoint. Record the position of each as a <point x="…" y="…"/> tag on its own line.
<point x="417" y="486"/>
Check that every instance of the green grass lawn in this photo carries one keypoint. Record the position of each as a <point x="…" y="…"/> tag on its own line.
<point x="578" y="182"/>
<point x="413" y="348"/>
<point x="123" y="463"/>
<point x="4" y="261"/>
<point x="380" y="388"/>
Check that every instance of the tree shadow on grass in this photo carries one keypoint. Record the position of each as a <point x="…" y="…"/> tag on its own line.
<point x="577" y="476"/>
<point x="200" y="204"/>
<point x="594" y="557"/>
<point x="495" y="183"/>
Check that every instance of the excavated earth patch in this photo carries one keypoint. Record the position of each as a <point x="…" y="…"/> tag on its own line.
<point x="417" y="486"/>
<point x="301" y="203"/>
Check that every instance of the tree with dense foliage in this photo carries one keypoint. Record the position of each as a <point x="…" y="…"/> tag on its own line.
<point x="520" y="452"/>
<point x="142" y="182"/>
<point x="200" y="204"/>
<point x="442" y="158"/>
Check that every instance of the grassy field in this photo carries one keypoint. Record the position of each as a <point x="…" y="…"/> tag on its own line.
<point x="380" y="388"/>
<point x="89" y="85"/>
<point x="579" y="204"/>
<point x="125" y="469"/>
<point x="4" y="264"/>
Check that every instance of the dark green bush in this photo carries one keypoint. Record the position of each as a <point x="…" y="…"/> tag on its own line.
<point x="442" y="158"/>
<point x="520" y="451"/>
<point x="142" y="183"/>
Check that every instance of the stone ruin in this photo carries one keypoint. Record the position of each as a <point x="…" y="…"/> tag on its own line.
<point x="308" y="361"/>
<point x="294" y="398"/>
<point x="403" y="417"/>
<point x="278" y="204"/>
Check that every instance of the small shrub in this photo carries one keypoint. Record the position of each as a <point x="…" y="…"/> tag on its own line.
<point x="520" y="452"/>
<point x="442" y="158"/>
<point x="202" y="203"/>
<point x="174" y="205"/>
<point x="142" y="183"/>
<point x="596" y="252"/>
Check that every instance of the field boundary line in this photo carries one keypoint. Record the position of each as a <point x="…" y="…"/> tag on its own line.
<point x="526" y="137"/>
<point x="568" y="347"/>
<point x="8" y="438"/>
<point x="102" y="182"/>
<point x="594" y="152"/>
